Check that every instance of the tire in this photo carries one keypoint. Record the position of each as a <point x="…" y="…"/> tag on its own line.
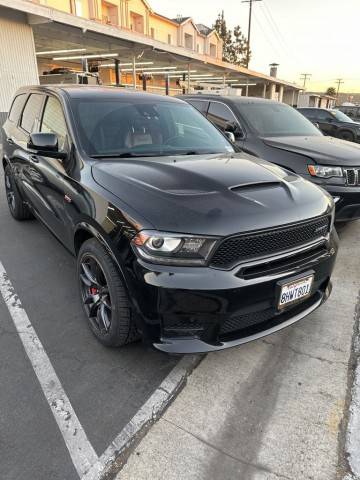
<point x="346" y="135"/>
<point x="18" y="209"/>
<point x="105" y="301"/>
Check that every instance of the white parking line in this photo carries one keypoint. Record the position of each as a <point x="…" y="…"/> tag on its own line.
<point x="88" y="465"/>
<point x="81" y="451"/>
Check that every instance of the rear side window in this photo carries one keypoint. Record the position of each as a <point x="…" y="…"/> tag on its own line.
<point x="16" y="107"/>
<point x="308" y="113"/>
<point x="31" y="114"/>
<point x="54" y="121"/>
<point x="221" y="115"/>
<point x="200" y="105"/>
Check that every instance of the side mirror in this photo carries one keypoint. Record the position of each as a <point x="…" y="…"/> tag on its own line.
<point x="316" y="125"/>
<point x="230" y="136"/>
<point x="235" y="129"/>
<point x="45" y="144"/>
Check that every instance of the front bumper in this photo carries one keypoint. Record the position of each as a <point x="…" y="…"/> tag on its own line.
<point x="347" y="206"/>
<point x="347" y="198"/>
<point x="200" y="309"/>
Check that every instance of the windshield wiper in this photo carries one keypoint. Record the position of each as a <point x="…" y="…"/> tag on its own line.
<point x="125" y="155"/>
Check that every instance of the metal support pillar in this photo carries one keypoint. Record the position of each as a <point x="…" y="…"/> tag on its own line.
<point x="188" y="79"/>
<point x="117" y="72"/>
<point x="134" y="72"/>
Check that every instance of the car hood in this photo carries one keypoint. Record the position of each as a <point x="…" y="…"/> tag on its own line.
<point x="211" y="194"/>
<point x="325" y="150"/>
<point x="349" y="124"/>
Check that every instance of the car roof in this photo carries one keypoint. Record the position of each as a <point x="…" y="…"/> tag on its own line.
<point x="96" y="91"/>
<point x="227" y="98"/>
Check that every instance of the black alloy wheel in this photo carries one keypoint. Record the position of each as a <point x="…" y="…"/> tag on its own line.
<point x="95" y="294"/>
<point x="347" y="136"/>
<point x="103" y="296"/>
<point x="17" y="207"/>
<point x="10" y="194"/>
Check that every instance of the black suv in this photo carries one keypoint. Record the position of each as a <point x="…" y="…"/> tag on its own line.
<point x="177" y="237"/>
<point x="351" y="111"/>
<point x="278" y="133"/>
<point x="333" y="123"/>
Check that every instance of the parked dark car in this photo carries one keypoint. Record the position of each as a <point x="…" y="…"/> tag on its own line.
<point x="177" y="237"/>
<point x="351" y="111"/>
<point x="278" y="133"/>
<point x="333" y="123"/>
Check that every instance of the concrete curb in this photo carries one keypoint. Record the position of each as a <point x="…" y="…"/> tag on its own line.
<point x="352" y="440"/>
<point x="117" y="453"/>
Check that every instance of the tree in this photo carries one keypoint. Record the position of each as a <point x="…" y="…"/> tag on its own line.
<point x="331" y="91"/>
<point x="234" y="42"/>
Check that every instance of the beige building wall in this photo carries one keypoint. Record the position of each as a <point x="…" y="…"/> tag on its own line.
<point x="17" y="56"/>
<point x="163" y="30"/>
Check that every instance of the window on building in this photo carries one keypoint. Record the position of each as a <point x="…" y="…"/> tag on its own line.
<point x="16" y="107"/>
<point x="136" y="22"/>
<point x="221" y="115"/>
<point x="31" y="114"/>
<point x="212" y="50"/>
<point x="189" y="41"/>
<point x="53" y="121"/>
<point x="110" y="13"/>
<point x="169" y="39"/>
<point x="152" y="32"/>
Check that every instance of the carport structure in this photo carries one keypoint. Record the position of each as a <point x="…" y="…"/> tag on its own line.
<point x="124" y="57"/>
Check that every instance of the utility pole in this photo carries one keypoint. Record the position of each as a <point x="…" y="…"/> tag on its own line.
<point x="250" y="2"/>
<point x="339" y="81"/>
<point x="305" y="77"/>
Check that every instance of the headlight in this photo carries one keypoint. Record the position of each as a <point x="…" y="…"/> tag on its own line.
<point x="173" y="249"/>
<point x="324" y="171"/>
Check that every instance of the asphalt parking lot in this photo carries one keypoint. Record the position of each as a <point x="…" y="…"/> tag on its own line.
<point x="106" y="387"/>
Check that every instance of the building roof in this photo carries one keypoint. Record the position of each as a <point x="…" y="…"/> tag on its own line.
<point x="180" y="19"/>
<point x="204" y="29"/>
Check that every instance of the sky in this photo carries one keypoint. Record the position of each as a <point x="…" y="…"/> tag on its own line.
<point x="320" y="37"/>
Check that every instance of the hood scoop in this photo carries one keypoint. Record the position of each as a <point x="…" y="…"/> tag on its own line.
<point x="254" y="186"/>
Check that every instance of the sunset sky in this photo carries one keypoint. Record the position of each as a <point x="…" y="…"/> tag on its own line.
<point x="314" y="36"/>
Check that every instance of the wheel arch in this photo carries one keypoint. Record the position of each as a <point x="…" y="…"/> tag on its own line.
<point x="346" y="130"/>
<point x="85" y="231"/>
<point x="5" y="162"/>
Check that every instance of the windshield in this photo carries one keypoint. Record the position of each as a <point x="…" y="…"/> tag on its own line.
<point x="275" y="120"/>
<point x="148" y="127"/>
<point x="340" y="116"/>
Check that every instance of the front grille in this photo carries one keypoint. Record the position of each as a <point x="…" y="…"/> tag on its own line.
<point x="247" y="246"/>
<point x="245" y="321"/>
<point x="261" y="319"/>
<point x="352" y="176"/>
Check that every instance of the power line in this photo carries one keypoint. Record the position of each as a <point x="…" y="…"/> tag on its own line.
<point x="250" y="2"/>
<point x="268" y="37"/>
<point x="305" y="77"/>
<point x="277" y="33"/>
<point x="338" y="81"/>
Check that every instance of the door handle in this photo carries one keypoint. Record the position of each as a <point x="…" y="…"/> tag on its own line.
<point x="34" y="159"/>
<point x="10" y="141"/>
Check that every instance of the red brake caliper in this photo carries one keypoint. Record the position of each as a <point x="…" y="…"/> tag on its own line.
<point x="93" y="290"/>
